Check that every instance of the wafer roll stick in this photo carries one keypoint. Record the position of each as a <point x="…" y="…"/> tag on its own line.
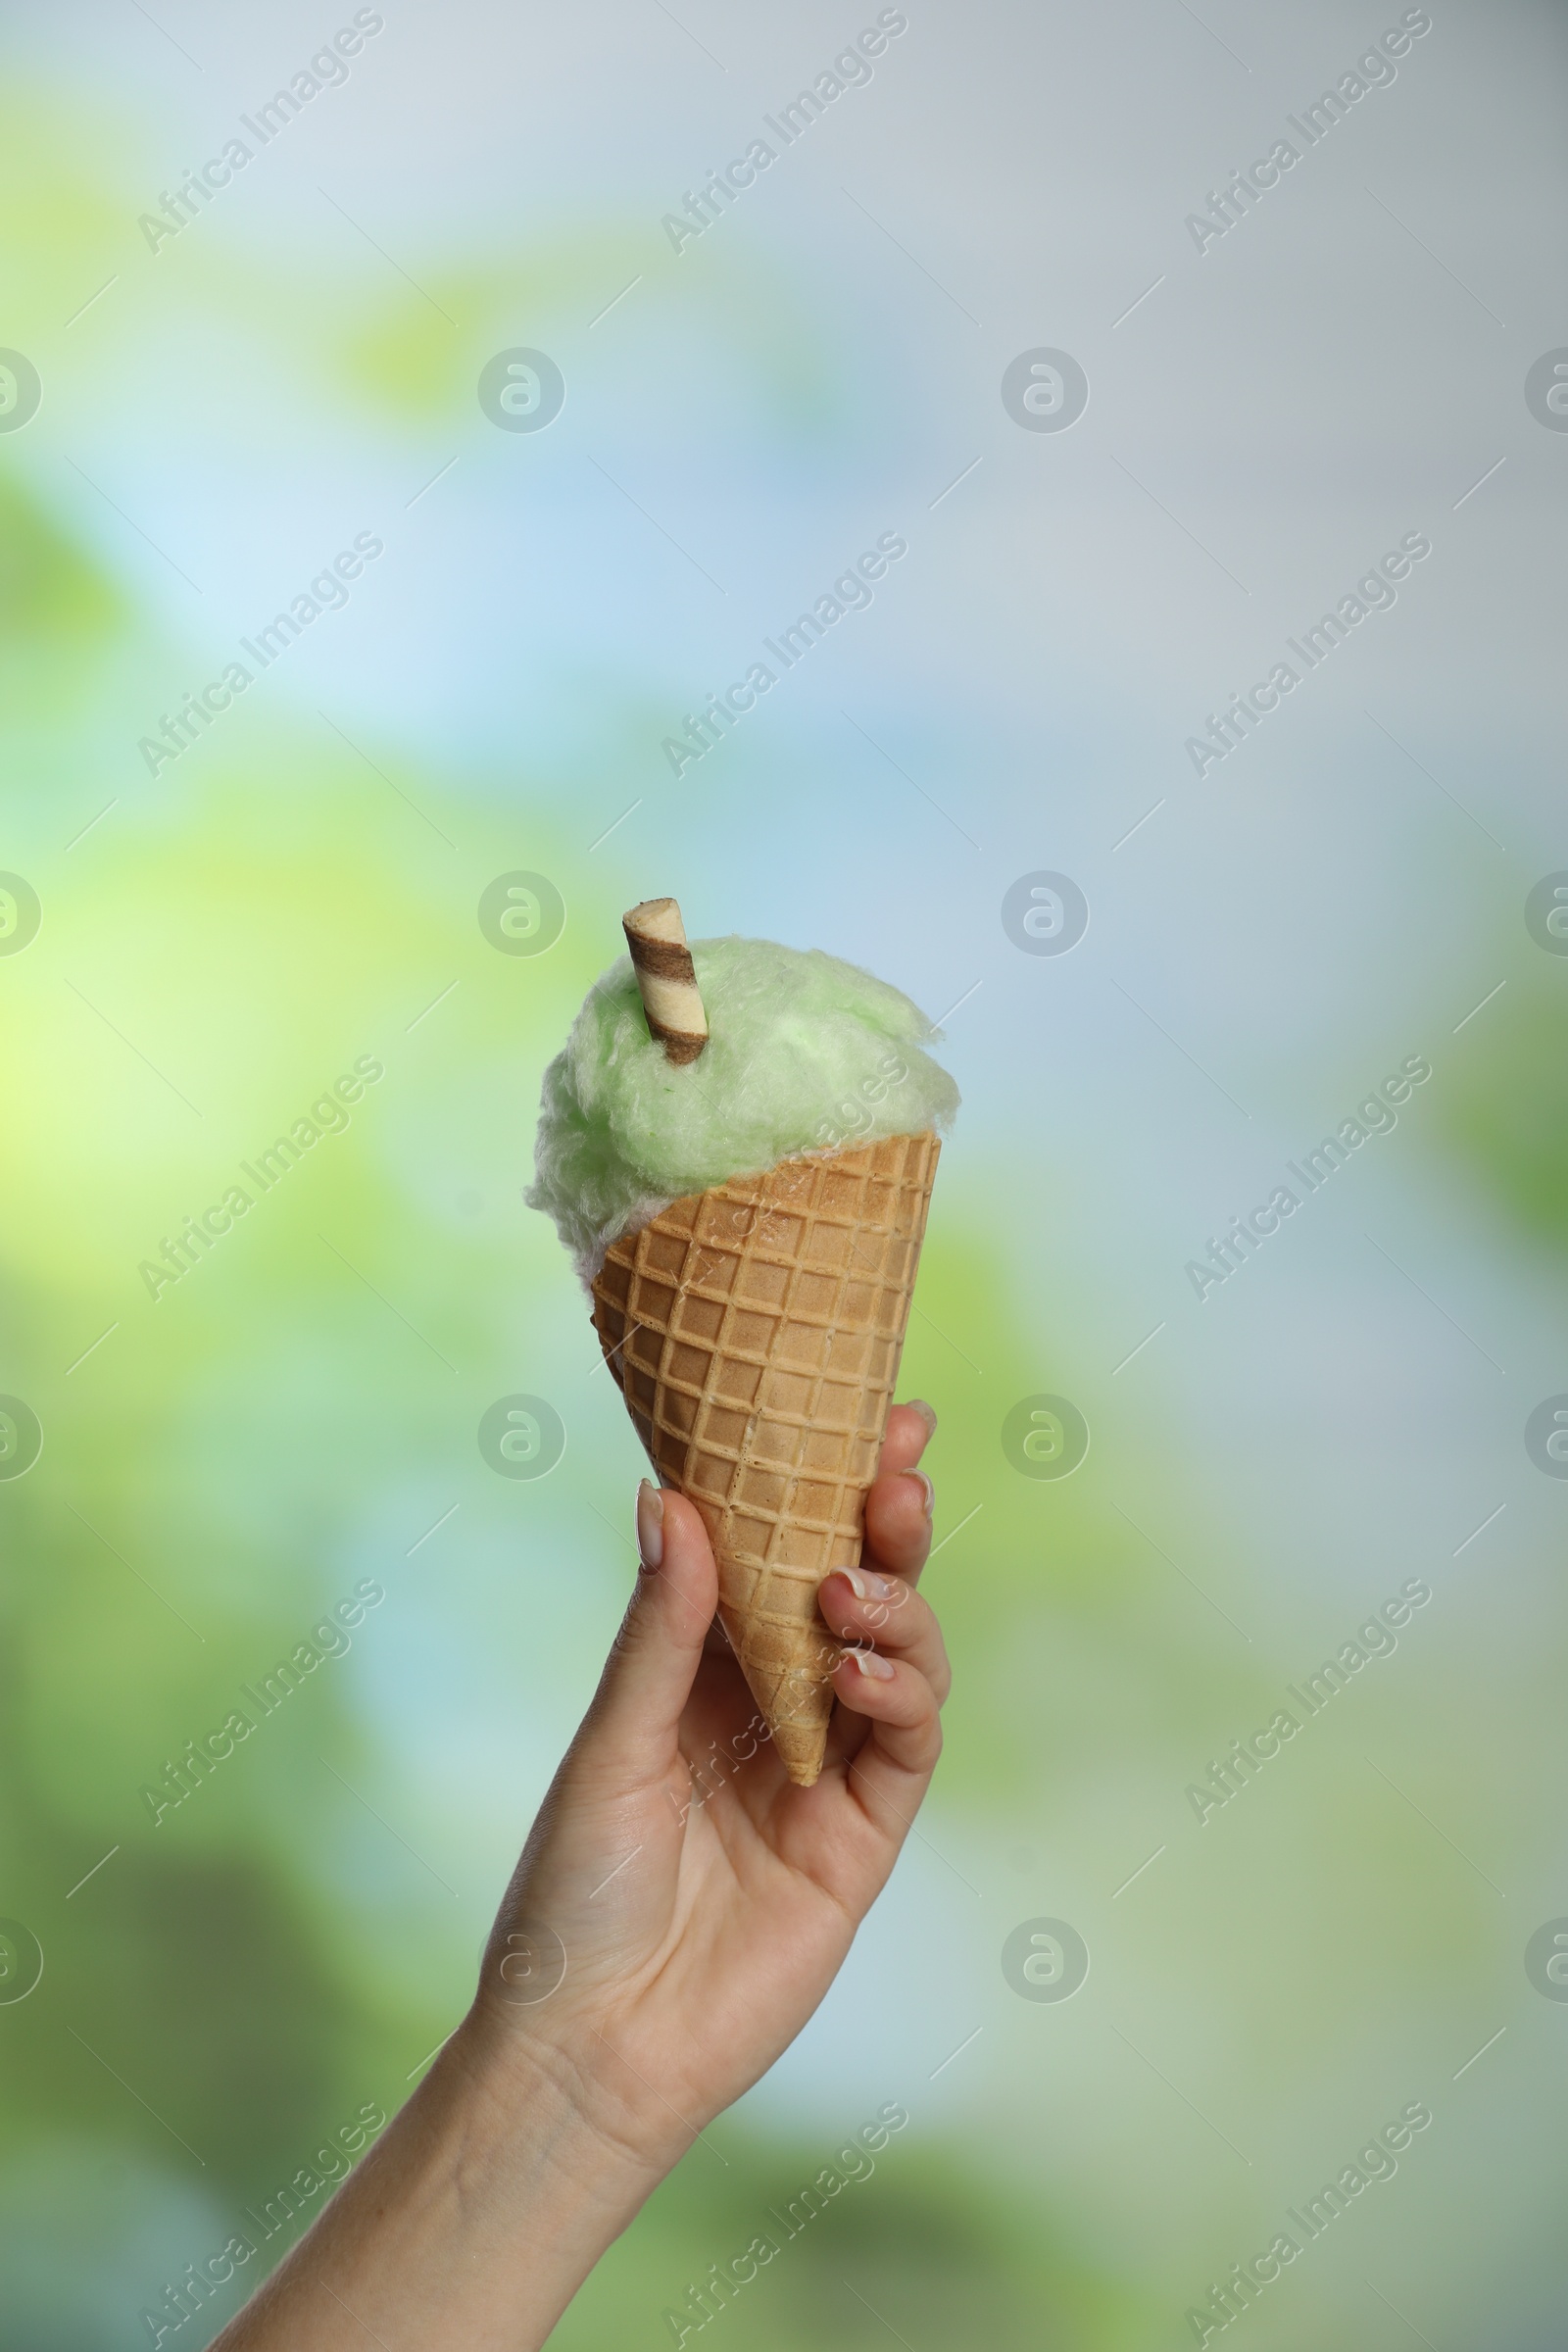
<point x="666" y="978"/>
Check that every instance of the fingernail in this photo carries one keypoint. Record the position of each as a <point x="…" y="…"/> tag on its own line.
<point x="865" y="1583"/>
<point x="927" y="1413"/>
<point x="879" y="1669"/>
<point x="650" y="1523"/>
<point x="925" y="1486"/>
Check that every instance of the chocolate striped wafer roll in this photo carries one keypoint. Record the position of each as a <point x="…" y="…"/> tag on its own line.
<point x="666" y="978"/>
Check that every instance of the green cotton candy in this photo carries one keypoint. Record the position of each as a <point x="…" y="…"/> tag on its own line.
<point x="805" y="1054"/>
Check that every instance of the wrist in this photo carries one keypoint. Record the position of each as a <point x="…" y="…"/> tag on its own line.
<point x="561" y="2091"/>
<point x="533" y="2127"/>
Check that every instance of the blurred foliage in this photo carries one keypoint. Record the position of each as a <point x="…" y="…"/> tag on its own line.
<point x="919" y="2249"/>
<point x="415" y="356"/>
<point x="52" y="597"/>
<point x="1506" y="1115"/>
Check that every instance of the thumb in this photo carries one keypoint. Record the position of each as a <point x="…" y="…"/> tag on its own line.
<point x="631" y="1726"/>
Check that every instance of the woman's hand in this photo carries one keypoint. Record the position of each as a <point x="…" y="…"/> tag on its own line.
<point x="682" y="1906"/>
<point x="680" y="1911"/>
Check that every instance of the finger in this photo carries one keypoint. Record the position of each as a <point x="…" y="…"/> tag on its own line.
<point x="898" y="1521"/>
<point x="631" y="1728"/>
<point x="887" y="1614"/>
<point x="909" y="1430"/>
<point x="890" y="1769"/>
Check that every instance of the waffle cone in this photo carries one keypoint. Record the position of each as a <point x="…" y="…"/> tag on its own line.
<point x="755" y="1330"/>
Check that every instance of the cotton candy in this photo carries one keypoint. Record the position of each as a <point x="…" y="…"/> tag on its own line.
<point x="805" y="1054"/>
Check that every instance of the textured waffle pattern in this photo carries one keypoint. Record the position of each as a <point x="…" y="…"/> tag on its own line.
<point x="755" y="1331"/>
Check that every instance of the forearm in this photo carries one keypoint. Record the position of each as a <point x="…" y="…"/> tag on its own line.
<point x="471" y="2224"/>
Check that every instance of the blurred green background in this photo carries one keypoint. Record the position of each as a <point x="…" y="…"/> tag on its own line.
<point x="225" y="1988"/>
